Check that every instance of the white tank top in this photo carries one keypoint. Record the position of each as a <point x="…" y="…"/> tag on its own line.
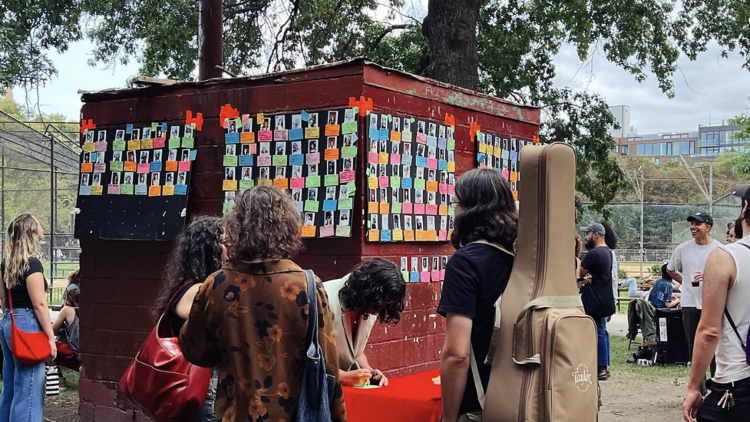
<point x="731" y="365"/>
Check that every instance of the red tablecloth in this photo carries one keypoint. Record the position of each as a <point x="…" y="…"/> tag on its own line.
<point x="408" y="399"/>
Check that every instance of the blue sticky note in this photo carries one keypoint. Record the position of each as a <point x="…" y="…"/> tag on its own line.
<point x="442" y="165"/>
<point x="384" y="133"/>
<point x="84" y="190"/>
<point x="513" y="156"/>
<point x="499" y="170"/>
<point x="296" y="160"/>
<point x="193" y="153"/>
<point x="442" y="143"/>
<point x="296" y="134"/>
<point x="480" y="157"/>
<point x="232" y="138"/>
<point x="505" y="155"/>
<point x="406" y="183"/>
<point x="164" y="127"/>
<point x="246" y="160"/>
<point x="305" y="116"/>
<point x="385" y="235"/>
<point x="374" y="133"/>
<point x="180" y="189"/>
<point x="414" y="277"/>
<point x="354" y="137"/>
<point x="421" y="161"/>
<point x="406" y="160"/>
<point x="155" y="166"/>
<point x="93" y="157"/>
<point x="129" y="128"/>
<point x="431" y="141"/>
<point x="330" y="205"/>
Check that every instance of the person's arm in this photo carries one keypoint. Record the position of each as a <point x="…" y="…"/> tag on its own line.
<point x="199" y="343"/>
<point x="182" y="309"/>
<point x="61" y="317"/>
<point x="35" y="286"/>
<point x="719" y="275"/>
<point x="454" y="364"/>
<point x="376" y="374"/>
<point x="3" y="299"/>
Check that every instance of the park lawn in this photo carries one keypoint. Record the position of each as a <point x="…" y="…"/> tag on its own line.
<point x="619" y="355"/>
<point x="72" y="378"/>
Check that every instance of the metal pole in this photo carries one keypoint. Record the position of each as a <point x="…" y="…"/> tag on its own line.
<point x="711" y="187"/>
<point x="52" y="206"/>
<point x="210" y="43"/>
<point x="642" y="252"/>
<point x="2" y="197"/>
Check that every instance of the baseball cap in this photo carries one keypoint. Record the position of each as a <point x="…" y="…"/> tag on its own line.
<point x="740" y="190"/>
<point x="702" y="217"/>
<point x="596" y="228"/>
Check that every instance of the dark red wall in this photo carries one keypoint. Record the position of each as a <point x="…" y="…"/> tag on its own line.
<point x="122" y="278"/>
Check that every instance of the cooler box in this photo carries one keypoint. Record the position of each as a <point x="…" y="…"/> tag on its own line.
<point x="671" y="344"/>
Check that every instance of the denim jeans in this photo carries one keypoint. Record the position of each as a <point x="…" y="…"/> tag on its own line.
<point x="710" y="411"/>
<point x="602" y="340"/>
<point x="207" y="413"/>
<point x="22" y="398"/>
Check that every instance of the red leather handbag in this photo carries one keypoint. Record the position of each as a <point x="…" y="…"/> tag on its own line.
<point x="160" y="382"/>
<point x="28" y="348"/>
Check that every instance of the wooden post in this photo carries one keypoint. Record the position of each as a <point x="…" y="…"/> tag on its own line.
<point x="210" y="43"/>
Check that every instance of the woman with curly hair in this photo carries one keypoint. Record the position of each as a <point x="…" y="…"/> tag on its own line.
<point x="373" y="291"/>
<point x="477" y="274"/>
<point x="197" y="255"/>
<point x="250" y="317"/>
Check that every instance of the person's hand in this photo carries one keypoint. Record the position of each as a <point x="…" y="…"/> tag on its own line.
<point x="377" y="375"/>
<point x="691" y="404"/>
<point x="698" y="276"/>
<point x="586" y="279"/>
<point x="356" y="377"/>
<point x="53" y="351"/>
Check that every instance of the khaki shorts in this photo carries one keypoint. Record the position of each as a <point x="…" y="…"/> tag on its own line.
<point x="470" y="417"/>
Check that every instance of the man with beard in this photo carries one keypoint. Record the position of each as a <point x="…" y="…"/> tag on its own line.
<point x="596" y="290"/>
<point x="686" y="267"/>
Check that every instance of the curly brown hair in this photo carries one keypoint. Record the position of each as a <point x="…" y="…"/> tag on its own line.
<point x="264" y="224"/>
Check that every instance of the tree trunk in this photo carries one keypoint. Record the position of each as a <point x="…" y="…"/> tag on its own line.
<point x="451" y="27"/>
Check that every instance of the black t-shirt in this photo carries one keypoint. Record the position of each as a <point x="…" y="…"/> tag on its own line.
<point x="475" y="278"/>
<point x="597" y="296"/>
<point x="20" y="293"/>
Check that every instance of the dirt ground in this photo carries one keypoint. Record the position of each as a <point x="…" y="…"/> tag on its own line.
<point x="61" y="409"/>
<point x="628" y="398"/>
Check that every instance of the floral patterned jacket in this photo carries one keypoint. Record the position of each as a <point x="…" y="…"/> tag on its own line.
<point x="250" y="320"/>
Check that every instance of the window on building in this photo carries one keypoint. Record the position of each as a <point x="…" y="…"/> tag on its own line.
<point x="625" y="150"/>
<point x="684" y="148"/>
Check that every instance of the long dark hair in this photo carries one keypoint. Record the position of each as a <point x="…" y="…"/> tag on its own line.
<point x="610" y="237"/>
<point x="196" y="255"/>
<point x="487" y="209"/>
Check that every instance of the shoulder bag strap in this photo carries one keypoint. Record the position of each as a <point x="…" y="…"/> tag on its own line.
<point x="494" y="245"/>
<point x="312" y="298"/>
<point x="169" y="306"/>
<point x="731" y="322"/>
<point x="481" y="396"/>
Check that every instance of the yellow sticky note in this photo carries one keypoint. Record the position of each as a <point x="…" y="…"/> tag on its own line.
<point x="168" y="190"/>
<point x="483" y="148"/>
<point x="372" y="182"/>
<point x="97" y="190"/>
<point x="147" y="144"/>
<point x="498" y="152"/>
<point x="259" y="118"/>
<point x="230" y="185"/>
<point x="398" y="235"/>
<point x="443" y="210"/>
<point x="451" y="167"/>
<point x="383" y="158"/>
<point x="395" y="136"/>
<point x="134" y="145"/>
<point x="89" y="147"/>
<point x="513" y="176"/>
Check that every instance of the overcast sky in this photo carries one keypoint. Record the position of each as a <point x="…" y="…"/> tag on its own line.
<point x="712" y="88"/>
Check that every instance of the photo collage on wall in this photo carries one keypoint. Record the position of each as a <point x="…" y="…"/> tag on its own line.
<point x="423" y="269"/>
<point x="150" y="161"/>
<point x="502" y="154"/>
<point x="411" y="179"/>
<point x="310" y="154"/>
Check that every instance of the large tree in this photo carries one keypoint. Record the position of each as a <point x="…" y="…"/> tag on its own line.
<point x="502" y="47"/>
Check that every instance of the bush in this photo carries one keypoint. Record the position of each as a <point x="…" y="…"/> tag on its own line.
<point x="656" y="269"/>
<point x="622" y="274"/>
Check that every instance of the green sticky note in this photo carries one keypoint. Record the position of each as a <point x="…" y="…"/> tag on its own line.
<point x="451" y="144"/>
<point x="188" y="142"/>
<point x="349" y="127"/>
<point x="238" y="123"/>
<point x="405" y="275"/>
<point x="419" y="184"/>
<point x="126" y="189"/>
<point x="345" y="203"/>
<point x="369" y="225"/>
<point x="344" y="231"/>
<point x="154" y="125"/>
<point x="174" y="143"/>
<point x="406" y="136"/>
<point x="118" y="146"/>
<point x="332" y="180"/>
<point x="390" y="118"/>
<point x="356" y="110"/>
<point x="348" y="152"/>
<point x="115" y="165"/>
<point x="395" y="181"/>
<point x="230" y="161"/>
<point x="312" y="206"/>
<point x="312" y="181"/>
<point x="413" y="120"/>
<point x="280" y="160"/>
<point x="226" y="208"/>
<point x="367" y="171"/>
<point x="352" y="188"/>
<point x="246" y="184"/>
<point x="480" y="135"/>
<point x="396" y="208"/>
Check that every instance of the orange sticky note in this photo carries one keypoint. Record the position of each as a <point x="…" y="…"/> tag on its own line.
<point x="398" y="235"/>
<point x="168" y="190"/>
<point x="420" y="235"/>
<point x="513" y="176"/>
<point x="443" y="210"/>
<point x="89" y="167"/>
<point x="372" y="208"/>
<point x="373" y="235"/>
<point x="154" y="191"/>
<point x="171" y="165"/>
<point x="515" y="195"/>
<point x="281" y="183"/>
<point x="230" y="185"/>
<point x="332" y="154"/>
<point x="247" y="137"/>
<point x="383" y="158"/>
<point x="333" y="130"/>
<point x="451" y="167"/>
<point x="395" y="136"/>
<point x="409" y="235"/>
<point x="432" y="186"/>
<point x="308" y="231"/>
<point x="385" y="208"/>
<point x="130" y="166"/>
<point x="372" y="182"/>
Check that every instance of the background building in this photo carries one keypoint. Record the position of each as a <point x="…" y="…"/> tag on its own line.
<point x="716" y="140"/>
<point x="661" y="146"/>
<point x="622" y="116"/>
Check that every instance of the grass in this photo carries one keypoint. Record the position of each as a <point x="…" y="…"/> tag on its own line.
<point x="72" y="378"/>
<point x="619" y="355"/>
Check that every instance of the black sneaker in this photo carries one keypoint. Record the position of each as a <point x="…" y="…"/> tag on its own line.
<point x="602" y="374"/>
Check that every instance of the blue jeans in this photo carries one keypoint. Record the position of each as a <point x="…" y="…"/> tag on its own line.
<point x="22" y="398"/>
<point x="207" y="411"/>
<point x="602" y="340"/>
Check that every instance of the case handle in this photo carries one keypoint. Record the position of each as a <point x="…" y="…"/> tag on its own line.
<point x="543" y="302"/>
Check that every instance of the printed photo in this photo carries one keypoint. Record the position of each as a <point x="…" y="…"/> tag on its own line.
<point x="172" y="155"/>
<point x="296" y="147"/>
<point x="441" y="132"/>
<point x="296" y="172"/>
<point x="116" y="155"/>
<point x="119" y="135"/>
<point x="431" y="152"/>
<point x="312" y="120"/>
<point x="182" y="178"/>
<point x="102" y="136"/>
<point x="406" y="172"/>
<point x="266" y="124"/>
<point x="296" y="121"/>
<point x="373" y="221"/>
<point x="247" y="173"/>
<point x="396" y="222"/>
<point x="431" y="198"/>
<point x="383" y="146"/>
<point x="395" y="170"/>
<point x="394" y="148"/>
<point x="155" y="178"/>
<point x="89" y="136"/>
<point x="174" y="132"/>
<point x="444" y="223"/>
<point x="229" y="197"/>
<point x="232" y="126"/>
<point x="328" y="218"/>
<point x="280" y="172"/>
<point x="309" y="218"/>
<point x="407" y="195"/>
<point x="312" y="146"/>
<point x="425" y="263"/>
<point x="157" y="155"/>
<point x="230" y="150"/>
<point x="442" y="177"/>
<point x="312" y="169"/>
<point x="343" y="191"/>
<point x="280" y="123"/>
<point x="188" y="131"/>
<point x="441" y="154"/>
<point x="297" y="195"/>
<point x="513" y="144"/>
<point x="397" y="124"/>
<point x="382" y="170"/>
<point x="264" y="173"/>
<point x="450" y="222"/>
<point x="245" y="149"/>
<point x="312" y="194"/>
<point x="451" y="156"/>
<point x="146" y="133"/>
<point x="331" y="165"/>
<point x="144" y="157"/>
<point x="169" y="179"/>
<point x="421" y="150"/>
<point x="333" y="117"/>
<point x="373" y="195"/>
<point x="435" y="263"/>
<point x="185" y="155"/>
<point x="348" y="164"/>
<point x="344" y="217"/>
<point x="96" y="180"/>
<point x="407" y="148"/>
<point x="420" y="127"/>
<point x="430" y="222"/>
<point x="265" y="149"/>
<point x="431" y="175"/>
<point x="160" y="131"/>
<point x="330" y="192"/>
<point x="385" y="223"/>
<point x="99" y="158"/>
<point x="373" y="120"/>
<point x="280" y="148"/>
<point x="128" y="180"/>
<point x="85" y="179"/>
<point x="394" y="195"/>
<point x="407" y="222"/>
<point x="373" y="170"/>
<point x="432" y="129"/>
<point x="349" y="115"/>
<point x="348" y="140"/>
<point x="229" y="173"/>
<point x="383" y="195"/>
<point x="418" y="196"/>
<point x="331" y="142"/>
<point x="142" y="179"/>
<point x="384" y="121"/>
<point x="407" y="124"/>
<point x="420" y="172"/>
<point x="443" y="262"/>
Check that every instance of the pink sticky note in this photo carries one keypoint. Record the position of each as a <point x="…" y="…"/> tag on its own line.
<point x="265" y="136"/>
<point x="184" y="165"/>
<point x="298" y="183"/>
<point x="100" y="146"/>
<point x="451" y="189"/>
<point x="281" y="135"/>
<point x="418" y="208"/>
<point x="435" y="275"/>
<point x="506" y="174"/>
<point x="100" y="168"/>
<point x="113" y="189"/>
<point x="422" y="138"/>
<point x="442" y="272"/>
<point x="143" y="168"/>
<point x="383" y="181"/>
<point x="407" y="207"/>
<point x="424" y="277"/>
<point x="373" y="158"/>
<point x="482" y="166"/>
<point x="264" y="160"/>
<point x="326" y="231"/>
<point x="395" y="158"/>
<point x="346" y="176"/>
<point x="159" y="142"/>
<point x="313" y="158"/>
<point x="442" y="234"/>
<point x="443" y="188"/>
<point x="432" y="209"/>
<point x="432" y="163"/>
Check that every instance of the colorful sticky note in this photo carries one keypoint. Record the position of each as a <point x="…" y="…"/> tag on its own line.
<point x="329" y="205"/>
<point x="408" y="207"/>
<point x="133" y="145"/>
<point x="97" y="190"/>
<point x="312" y="182"/>
<point x="409" y="236"/>
<point x="348" y="127"/>
<point x="406" y="183"/>
<point x="245" y="160"/>
<point x="351" y="186"/>
<point x="312" y="158"/>
<point x="158" y="143"/>
<point x="331" y="180"/>
<point x="373" y="207"/>
<point x="84" y="190"/>
<point x="115" y="165"/>
<point x="406" y="136"/>
<point x="180" y="190"/>
<point x="308" y="231"/>
<point x="230" y="161"/>
<point x="184" y="166"/>
<point x="345" y="203"/>
<point x="349" y="152"/>
<point x="118" y="146"/>
<point x="100" y="146"/>
<point x="229" y="138"/>
<point x="312" y="132"/>
<point x="280" y="160"/>
<point x="126" y="189"/>
<point x="396" y="208"/>
<point x="265" y="136"/>
<point x="296" y="134"/>
<point x="130" y="166"/>
<point x="395" y="136"/>
<point x="374" y="133"/>
<point x="343" y="231"/>
<point x="281" y="135"/>
<point x="421" y="162"/>
<point x="229" y="185"/>
<point x="384" y="133"/>
<point x="147" y="144"/>
<point x="154" y="191"/>
<point x="174" y="143"/>
<point x="193" y="154"/>
<point x="383" y="182"/>
<point x="396" y="159"/>
<point x="298" y="182"/>
<point x="87" y="167"/>
<point x="398" y="235"/>
<point x="419" y="184"/>
<point x="141" y="190"/>
<point x="326" y="231"/>
<point x="189" y="142"/>
<point x="305" y="116"/>
<point x="247" y="137"/>
<point x="451" y="168"/>
<point x="432" y="186"/>
<point x="414" y="275"/>
<point x="333" y="130"/>
<point x="385" y="208"/>
<point x="346" y="176"/>
<point x="383" y="158"/>
<point x="332" y="154"/>
<point x="144" y="168"/>
<point x="281" y="183"/>
<point x="113" y="189"/>
<point x="385" y="236"/>
<point x="167" y="190"/>
<point x="259" y="118"/>
<point x="395" y="181"/>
